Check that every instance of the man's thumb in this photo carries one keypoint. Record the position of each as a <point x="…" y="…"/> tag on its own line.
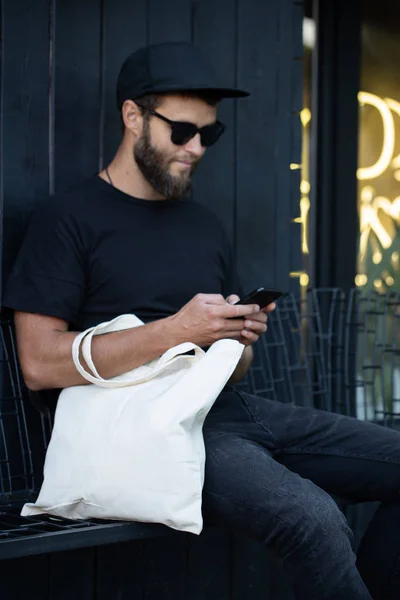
<point x="232" y="299"/>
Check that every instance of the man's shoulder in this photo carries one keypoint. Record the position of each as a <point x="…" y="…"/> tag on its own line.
<point x="72" y="201"/>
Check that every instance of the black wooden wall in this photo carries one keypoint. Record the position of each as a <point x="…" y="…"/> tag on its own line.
<point x="59" y="62"/>
<point x="58" y="123"/>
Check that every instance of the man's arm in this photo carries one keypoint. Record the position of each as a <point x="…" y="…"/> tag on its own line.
<point x="45" y="344"/>
<point x="45" y="350"/>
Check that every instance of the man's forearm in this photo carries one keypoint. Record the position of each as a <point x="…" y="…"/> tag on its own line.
<point x="113" y="354"/>
<point x="243" y="365"/>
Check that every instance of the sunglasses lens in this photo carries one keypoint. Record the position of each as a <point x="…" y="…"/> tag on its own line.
<point x="182" y="133"/>
<point x="211" y="134"/>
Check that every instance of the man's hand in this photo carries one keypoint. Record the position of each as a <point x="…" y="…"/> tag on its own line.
<point x="255" y="324"/>
<point x="209" y="317"/>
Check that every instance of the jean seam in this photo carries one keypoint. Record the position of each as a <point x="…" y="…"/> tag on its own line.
<point x="297" y="450"/>
<point x="253" y="509"/>
<point x="255" y="419"/>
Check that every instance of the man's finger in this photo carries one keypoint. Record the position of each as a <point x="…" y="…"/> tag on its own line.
<point x="269" y="308"/>
<point x="255" y="326"/>
<point x="249" y="336"/>
<point x="260" y="317"/>
<point x="234" y="311"/>
<point x="232" y="299"/>
<point x="213" y="299"/>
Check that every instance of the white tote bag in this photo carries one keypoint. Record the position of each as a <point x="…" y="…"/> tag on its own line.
<point x="131" y="447"/>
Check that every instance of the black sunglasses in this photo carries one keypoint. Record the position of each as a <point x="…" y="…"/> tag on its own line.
<point x="182" y="131"/>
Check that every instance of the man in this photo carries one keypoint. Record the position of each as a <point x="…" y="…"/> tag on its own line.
<point x="126" y="241"/>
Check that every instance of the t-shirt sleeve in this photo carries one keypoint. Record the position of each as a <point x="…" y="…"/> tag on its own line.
<point x="48" y="276"/>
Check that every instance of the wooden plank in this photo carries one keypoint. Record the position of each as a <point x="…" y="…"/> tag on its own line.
<point x="259" y="132"/>
<point x="72" y="575"/>
<point x="209" y="566"/>
<point x="285" y="212"/>
<point x="25" y="117"/>
<point x="169" y="21"/>
<point x="24" y="578"/>
<point x="296" y="96"/>
<point x="1" y="157"/>
<point x="279" y="586"/>
<point x="165" y="569"/>
<point x="77" y="90"/>
<point x="124" y="27"/>
<point x="120" y="571"/>
<point x="251" y="571"/>
<point x="297" y="11"/>
<point x="214" y="30"/>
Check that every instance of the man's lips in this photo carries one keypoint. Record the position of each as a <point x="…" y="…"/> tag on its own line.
<point x="186" y="163"/>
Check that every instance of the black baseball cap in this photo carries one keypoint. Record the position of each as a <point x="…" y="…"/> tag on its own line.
<point x="169" y="67"/>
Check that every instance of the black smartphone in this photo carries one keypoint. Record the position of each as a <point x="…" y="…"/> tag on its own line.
<point x="261" y="296"/>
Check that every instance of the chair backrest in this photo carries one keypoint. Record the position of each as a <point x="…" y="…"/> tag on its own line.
<point x="24" y="430"/>
<point x="335" y="351"/>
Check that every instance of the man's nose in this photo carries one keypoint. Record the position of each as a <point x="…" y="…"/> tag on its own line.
<point x="194" y="146"/>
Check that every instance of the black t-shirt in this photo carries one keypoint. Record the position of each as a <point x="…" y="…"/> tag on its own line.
<point x="94" y="252"/>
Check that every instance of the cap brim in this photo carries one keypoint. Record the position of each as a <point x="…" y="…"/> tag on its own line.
<point x="221" y="91"/>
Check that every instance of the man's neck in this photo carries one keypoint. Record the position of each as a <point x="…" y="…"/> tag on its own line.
<point x="126" y="176"/>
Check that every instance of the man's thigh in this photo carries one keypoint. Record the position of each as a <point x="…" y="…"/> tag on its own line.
<point x="343" y="455"/>
<point x="247" y="490"/>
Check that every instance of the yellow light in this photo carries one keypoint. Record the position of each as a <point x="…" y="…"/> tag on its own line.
<point x="305" y="187"/>
<point x="377" y="258"/>
<point x="370" y="222"/>
<point x="361" y="280"/>
<point x="396" y="175"/>
<point x="395" y="258"/>
<point x="378" y="283"/>
<point x="388" y="136"/>
<point x="304" y="280"/>
<point x="389" y="280"/>
<point x="294" y="166"/>
<point x="304" y="210"/>
<point x="395" y="107"/>
<point x="305" y="116"/>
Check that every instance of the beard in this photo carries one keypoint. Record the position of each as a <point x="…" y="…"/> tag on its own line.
<point x="154" y="165"/>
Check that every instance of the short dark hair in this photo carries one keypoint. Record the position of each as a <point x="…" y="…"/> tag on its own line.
<point x="154" y="101"/>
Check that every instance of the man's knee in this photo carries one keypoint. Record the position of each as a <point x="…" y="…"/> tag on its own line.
<point x="311" y="526"/>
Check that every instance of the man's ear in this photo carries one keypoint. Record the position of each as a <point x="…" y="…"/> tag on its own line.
<point x="132" y="117"/>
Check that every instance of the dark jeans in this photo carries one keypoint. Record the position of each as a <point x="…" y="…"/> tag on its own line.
<point x="270" y="469"/>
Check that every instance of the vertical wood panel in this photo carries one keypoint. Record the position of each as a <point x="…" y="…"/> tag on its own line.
<point x="251" y="572"/>
<point x="169" y="21"/>
<point x="25" y="117"/>
<point x="1" y="149"/>
<point x="120" y="572"/>
<point x="124" y="25"/>
<point x="165" y="569"/>
<point x="78" y="90"/>
<point x="214" y="30"/>
<point x="24" y="578"/>
<point x="209" y="566"/>
<point x="72" y="575"/>
<point x="257" y="191"/>
<point x="288" y="233"/>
